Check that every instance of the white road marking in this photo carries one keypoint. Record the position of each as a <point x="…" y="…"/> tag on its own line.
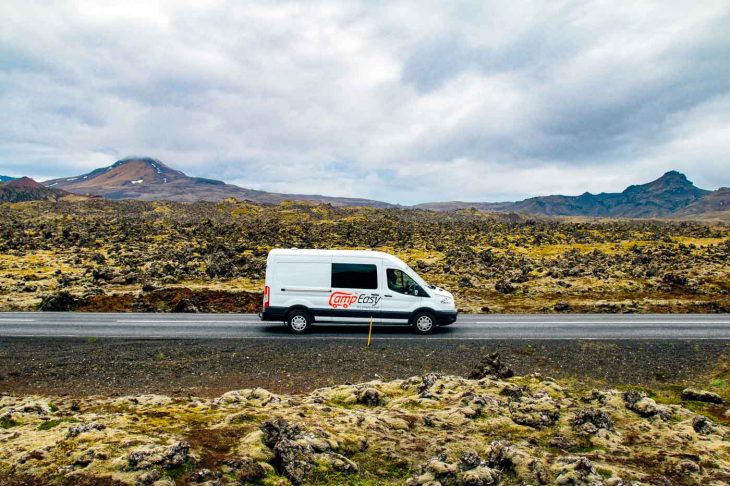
<point x="11" y="319"/>
<point x="157" y="321"/>
<point x="613" y="323"/>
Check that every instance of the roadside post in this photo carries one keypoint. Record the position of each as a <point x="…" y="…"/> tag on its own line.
<point x="370" y="332"/>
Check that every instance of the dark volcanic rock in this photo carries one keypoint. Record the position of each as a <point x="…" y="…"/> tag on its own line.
<point x="300" y="453"/>
<point x="700" y="395"/>
<point x="492" y="366"/>
<point x="590" y="420"/>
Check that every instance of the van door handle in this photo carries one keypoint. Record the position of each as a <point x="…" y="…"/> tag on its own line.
<point x="387" y="295"/>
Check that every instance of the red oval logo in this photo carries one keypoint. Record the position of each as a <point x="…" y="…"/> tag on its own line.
<point x="342" y="299"/>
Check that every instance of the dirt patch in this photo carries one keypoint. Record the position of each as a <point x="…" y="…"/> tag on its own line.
<point x="217" y="443"/>
<point x="77" y="480"/>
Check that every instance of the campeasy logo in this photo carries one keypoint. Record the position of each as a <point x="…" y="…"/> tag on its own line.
<point x="346" y="299"/>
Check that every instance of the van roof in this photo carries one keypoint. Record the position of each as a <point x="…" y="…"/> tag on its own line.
<point x="340" y="253"/>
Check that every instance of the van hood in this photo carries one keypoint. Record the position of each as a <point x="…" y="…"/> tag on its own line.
<point x="439" y="292"/>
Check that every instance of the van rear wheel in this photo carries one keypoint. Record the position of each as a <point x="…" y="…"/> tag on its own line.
<point x="298" y="322"/>
<point x="424" y="323"/>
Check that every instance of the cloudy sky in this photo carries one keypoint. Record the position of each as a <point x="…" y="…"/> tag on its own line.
<point x="403" y="102"/>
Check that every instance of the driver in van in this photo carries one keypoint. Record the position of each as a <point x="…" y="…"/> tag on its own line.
<point x="393" y="283"/>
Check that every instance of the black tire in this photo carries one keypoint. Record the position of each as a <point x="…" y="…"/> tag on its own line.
<point x="299" y="322"/>
<point x="420" y="322"/>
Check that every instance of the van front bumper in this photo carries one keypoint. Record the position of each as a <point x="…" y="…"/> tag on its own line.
<point x="273" y="314"/>
<point x="444" y="318"/>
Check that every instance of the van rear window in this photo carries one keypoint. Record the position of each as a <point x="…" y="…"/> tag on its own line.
<point x="354" y="276"/>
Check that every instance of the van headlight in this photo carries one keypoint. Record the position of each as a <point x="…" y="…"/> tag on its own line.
<point x="446" y="301"/>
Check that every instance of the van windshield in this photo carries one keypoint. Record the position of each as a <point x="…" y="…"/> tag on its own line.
<point x="418" y="278"/>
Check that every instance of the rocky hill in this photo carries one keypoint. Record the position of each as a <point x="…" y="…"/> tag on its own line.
<point x="490" y="429"/>
<point x="26" y="189"/>
<point x="671" y="194"/>
<point x="149" y="179"/>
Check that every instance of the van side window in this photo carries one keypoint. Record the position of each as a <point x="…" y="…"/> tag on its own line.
<point x="399" y="281"/>
<point x="354" y="276"/>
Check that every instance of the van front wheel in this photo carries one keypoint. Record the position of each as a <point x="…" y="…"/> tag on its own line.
<point x="298" y="321"/>
<point x="424" y="323"/>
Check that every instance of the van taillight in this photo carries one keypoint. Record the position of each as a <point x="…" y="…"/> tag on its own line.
<point x="267" y="294"/>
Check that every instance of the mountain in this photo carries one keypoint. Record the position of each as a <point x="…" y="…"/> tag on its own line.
<point x="715" y="205"/>
<point x="149" y="179"/>
<point x="26" y="189"/>
<point x="665" y="196"/>
<point x="6" y="178"/>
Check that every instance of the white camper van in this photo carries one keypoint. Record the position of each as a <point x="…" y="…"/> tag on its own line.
<point x="350" y="286"/>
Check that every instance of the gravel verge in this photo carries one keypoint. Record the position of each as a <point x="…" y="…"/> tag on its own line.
<point x="72" y="366"/>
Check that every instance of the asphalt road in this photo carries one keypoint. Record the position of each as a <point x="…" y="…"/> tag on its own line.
<point x="467" y="327"/>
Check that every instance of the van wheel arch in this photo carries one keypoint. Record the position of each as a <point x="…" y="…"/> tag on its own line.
<point x="420" y="309"/>
<point x="299" y="308"/>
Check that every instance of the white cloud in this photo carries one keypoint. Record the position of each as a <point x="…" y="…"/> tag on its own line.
<point x="402" y="101"/>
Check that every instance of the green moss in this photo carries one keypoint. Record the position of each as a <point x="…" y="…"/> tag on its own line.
<point x="7" y="422"/>
<point x="718" y="383"/>
<point x="374" y="464"/>
<point x="243" y="418"/>
<point x="176" y="473"/>
<point x="585" y="448"/>
<point x="341" y="479"/>
<point x="344" y="404"/>
<point x="49" y="424"/>
<point x="270" y="480"/>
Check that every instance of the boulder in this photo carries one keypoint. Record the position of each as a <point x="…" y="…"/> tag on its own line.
<point x="512" y="459"/>
<point x="590" y="420"/>
<point x="561" y="307"/>
<point x="80" y="429"/>
<point x="579" y="471"/>
<point x="427" y="382"/>
<point x="301" y="453"/>
<point x="61" y="301"/>
<point x="480" y="476"/>
<point x="370" y="397"/>
<point x="696" y="395"/>
<point x="491" y="366"/>
<point x="442" y="469"/>
<point x="249" y="396"/>
<point x="149" y="477"/>
<point x="702" y="425"/>
<point x="470" y="471"/>
<point x="504" y="287"/>
<point x="469" y="460"/>
<point x="534" y="411"/>
<point x="204" y="475"/>
<point x="166" y="457"/>
<point x="638" y="402"/>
